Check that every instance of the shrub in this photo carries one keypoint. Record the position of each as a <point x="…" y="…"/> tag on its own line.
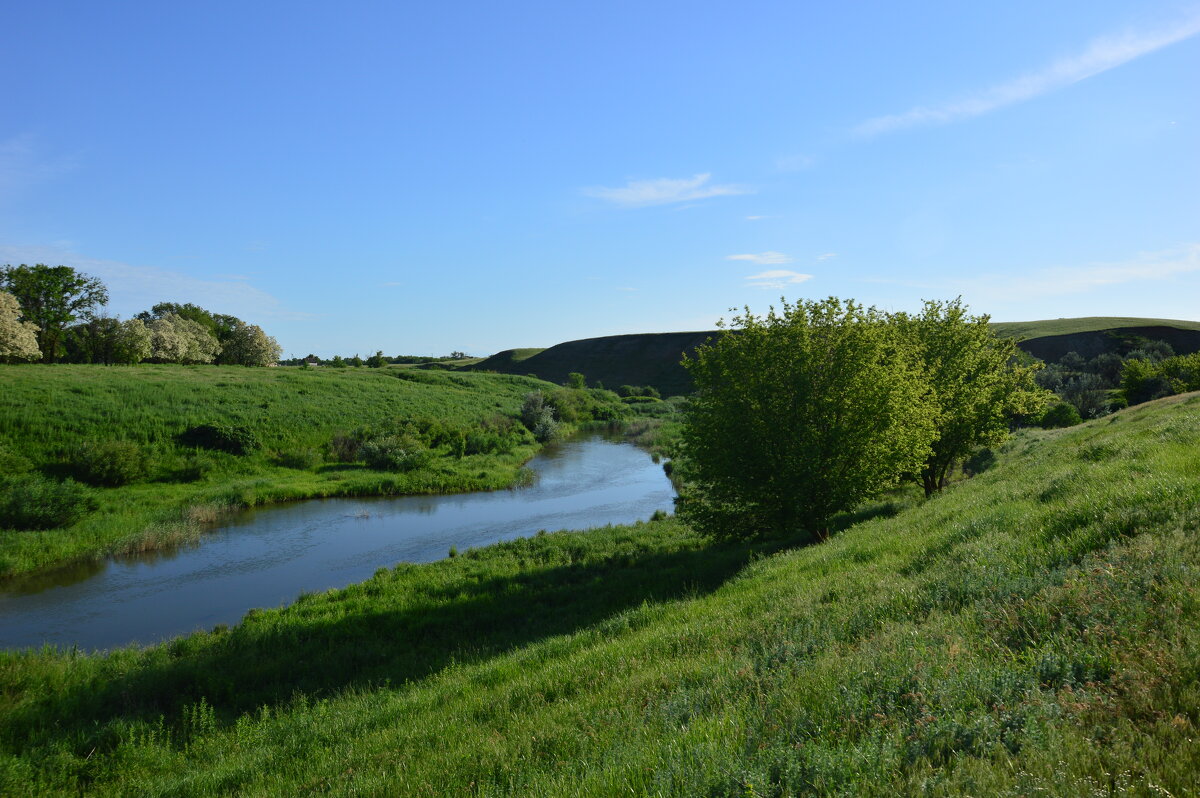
<point x="232" y="438"/>
<point x="32" y="501"/>
<point x="12" y="463"/>
<point x="108" y="463"/>
<point x="1061" y="415"/>
<point x="344" y="447"/>
<point x="395" y="453"/>
<point x="300" y="459"/>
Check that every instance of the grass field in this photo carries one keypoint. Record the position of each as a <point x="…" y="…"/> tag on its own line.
<point x="1046" y="327"/>
<point x="47" y="412"/>
<point x="1033" y="631"/>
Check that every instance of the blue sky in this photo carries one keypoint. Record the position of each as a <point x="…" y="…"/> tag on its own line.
<point x="424" y="178"/>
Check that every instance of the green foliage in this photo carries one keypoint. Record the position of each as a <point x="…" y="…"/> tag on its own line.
<point x="975" y="384"/>
<point x="232" y="438"/>
<point x="1060" y="415"/>
<point x="576" y="380"/>
<point x="1033" y="632"/>
<point x="300" y="459"/>
<point x="1143" y="380"/>
<point x="108" y="463"/>
<point x="51" y="297"/>
<point x="538" y="416"/>
<point x="395" y="453"/>
<point x="799" y="415"/>
<point x="376" y="360"/>
<point x="31" y="501"/>
<point x="18" y="339"/>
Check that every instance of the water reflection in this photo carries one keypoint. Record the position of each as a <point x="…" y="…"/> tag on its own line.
<point x="267" y="556"/>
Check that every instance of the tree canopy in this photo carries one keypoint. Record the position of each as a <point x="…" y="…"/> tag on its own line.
<point x="18" y="339"/>
<point x="51" y="297"/>
<point x="798" y="415"/>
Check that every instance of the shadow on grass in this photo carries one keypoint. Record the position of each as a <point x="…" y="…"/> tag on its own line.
<point x="467" y="618"/>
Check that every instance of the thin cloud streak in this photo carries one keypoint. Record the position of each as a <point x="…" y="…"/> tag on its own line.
<point x="765" y="258"/>
<point x="777" y="279"/>
<point x="1101" y="55"/>
<point x="664" y="191"/>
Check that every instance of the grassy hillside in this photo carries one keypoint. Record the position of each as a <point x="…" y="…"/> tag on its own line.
<point x="653" y="358"/>
<point x="48" y="412"/>
<point x="1033" y="631"/>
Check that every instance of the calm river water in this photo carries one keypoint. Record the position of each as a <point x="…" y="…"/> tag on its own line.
<point x="267" y="557"/>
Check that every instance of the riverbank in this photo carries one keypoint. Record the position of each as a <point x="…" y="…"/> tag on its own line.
<point x="1032" y="631"/>
<point x="55" y="419"/>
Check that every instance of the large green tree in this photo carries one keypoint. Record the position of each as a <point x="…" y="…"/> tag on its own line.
<point x="18" y="339"/>
<point x="798" y="415"/>
<point x="52" y="297"/>
<point x="976" y="383"/>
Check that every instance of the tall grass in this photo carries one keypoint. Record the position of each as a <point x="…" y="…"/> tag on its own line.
<point x="1033" y="631"/>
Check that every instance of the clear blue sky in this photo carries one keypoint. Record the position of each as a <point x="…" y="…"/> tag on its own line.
<point x="478" y="176"/>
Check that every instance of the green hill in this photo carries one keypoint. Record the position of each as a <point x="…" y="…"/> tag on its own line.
<point x="1032" y="631"/>
<point x="49" y="414"/>
<point x="653" y="358"/>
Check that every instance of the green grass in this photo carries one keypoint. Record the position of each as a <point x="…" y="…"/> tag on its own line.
<point x="48" y="411"/>
<point x="1033" y="631"/>
<point x="1045" y="327"/>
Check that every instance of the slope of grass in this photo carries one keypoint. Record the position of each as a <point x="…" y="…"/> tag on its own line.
<point x="1032" y="631"/>
<point x="1046" y="327"/>
<point x="46" y="412"/>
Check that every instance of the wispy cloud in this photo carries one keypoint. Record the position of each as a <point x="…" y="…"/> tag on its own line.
<point x="764" y="258"/>
<point x="776" y="278"/>
<point x="827" y="256"/>
<point x="1144" y="267"/>
<point x="756" y="218"/>
<point x="135" y="288"/>
<point x="795" y="163"/>
<point x="664" y="191"/>
<point x="22" y="165"/>
<point x="1101" y="55"/>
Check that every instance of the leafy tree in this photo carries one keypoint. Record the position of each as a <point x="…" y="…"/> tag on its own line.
<point x="18" y="339"/>
<point x="1062" y="414"/>
<point x="109" y="341"/>
<point x="337" y="361"/>
<point x="51" y="297"/>
<point x="356" y="360"/>
<point x="376" y="360"/>
<point x="798" y="415"/>
<point x="576" y="380"/>
<point x="247" y="345"/>
<point x="175" y="339"/>
<point x="975" y="383"/>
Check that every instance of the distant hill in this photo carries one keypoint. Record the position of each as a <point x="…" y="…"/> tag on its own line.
<point x="653" y="358"/>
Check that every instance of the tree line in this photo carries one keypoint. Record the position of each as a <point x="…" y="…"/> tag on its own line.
<point x="55" y="314"/>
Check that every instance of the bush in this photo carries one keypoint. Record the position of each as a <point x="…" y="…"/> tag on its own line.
<point x="395" y="453"/>
<point x="12" y="463"/>
<point x="300" y="459"/>
<point x="1061" y="415"/>
<point x="33" y="502"/>
<point x="232" y="438"/>
<point x="108" y="463"/>
<point x="344" y="447"/>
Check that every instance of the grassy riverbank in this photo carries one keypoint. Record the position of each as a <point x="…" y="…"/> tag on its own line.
<point x="1035" y="630"/>
<point x="50" y="415"/>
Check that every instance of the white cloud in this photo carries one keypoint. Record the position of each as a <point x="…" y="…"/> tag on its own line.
<point x="756" y="218"/>
<point x="135" y="288"/>
<point x="764" y="258"/>
<point x="1100" y="56"/>
<point x="777" y="278"/>
<point x="827" y="256"/>
<point x="663" y="191"/>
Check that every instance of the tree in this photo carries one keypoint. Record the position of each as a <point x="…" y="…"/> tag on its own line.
<point x="175" y="339"/>
<point x="247" y="345"/>
<point x="576" y="380"/>
<point x="52" y="297"/>
<point x="376" y="360"/>
<point x="974" y="380"/>
<point x="18" y="339"/>
<point x="799" y="415"/>
<point x="108" y="340"/>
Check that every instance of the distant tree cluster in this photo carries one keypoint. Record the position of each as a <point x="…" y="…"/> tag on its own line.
<point x="1096" y="387"/>
<point x="62" y="310"/>
<point x="377" y="360"/>
<point x="813" y="408"/>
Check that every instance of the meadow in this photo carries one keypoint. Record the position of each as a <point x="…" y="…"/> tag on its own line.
<point x="1032" y="630"/>
<point x="52" y="416"/>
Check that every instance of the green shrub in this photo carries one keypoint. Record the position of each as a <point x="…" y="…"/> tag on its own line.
<point x="299" y="459"/>
<point x="395" y="453"/>
<point x="12" y="463"/>
<point x="32" y="501"/>
<point x="108" y="463"/>
<point x="1061" y="415"/>
<point x="344" y="447"/>
<point x="232" y="438"/>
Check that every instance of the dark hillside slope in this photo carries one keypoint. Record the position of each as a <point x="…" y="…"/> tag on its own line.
<point x="653" y="358"/>
<point x="615" y="360"/>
